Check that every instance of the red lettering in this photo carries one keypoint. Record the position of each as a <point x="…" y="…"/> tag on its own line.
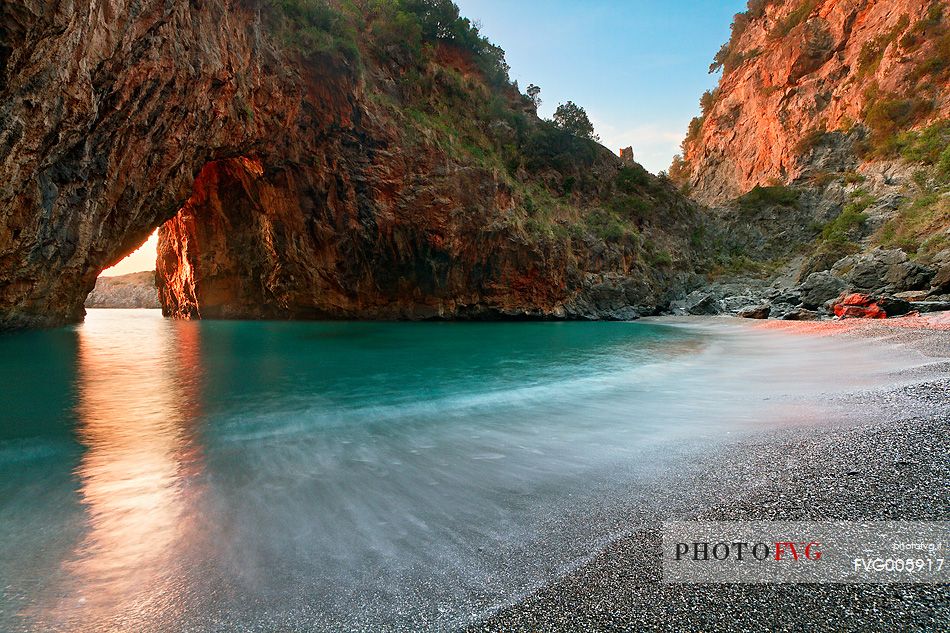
<point x="780" y="548"/>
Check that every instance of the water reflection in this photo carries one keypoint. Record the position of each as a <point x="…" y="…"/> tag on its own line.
<point x="262" y="476"/>
<point x="138" y="401"/>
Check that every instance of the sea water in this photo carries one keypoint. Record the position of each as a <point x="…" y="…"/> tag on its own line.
<point x="162" y="475"/>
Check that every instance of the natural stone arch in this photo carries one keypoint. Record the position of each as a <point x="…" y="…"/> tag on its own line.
<point x="107" y="114"/>
<point x="131" y="115"/>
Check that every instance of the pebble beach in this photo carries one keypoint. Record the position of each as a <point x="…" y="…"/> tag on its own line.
<point x="890" y="461"/>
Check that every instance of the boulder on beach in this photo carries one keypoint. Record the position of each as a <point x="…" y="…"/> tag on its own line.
<point x="755" y="312"/>
<point x="800" y="314"/>
<point x="819" y="288"/>
<point x="941" y="281"/>
<point x="702" y="303"/>
<point x="894" y="306"/>
<point x="884" y="270"/>
<point x="858" y="305"/>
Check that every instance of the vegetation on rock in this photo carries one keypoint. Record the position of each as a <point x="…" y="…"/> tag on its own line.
<point x="842" y="229"/>
<point x="452" y="92"/>
<point x="921" y="226"/>
<point x="572" y="118"/>
<point x="729" y="57"/>
<point x="774" y="195"/>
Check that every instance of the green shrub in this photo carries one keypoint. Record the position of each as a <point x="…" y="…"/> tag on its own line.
<point x="661" y="258"/>
<point x="775" y="195"/>
<point x="548" y="146"/>
<point x="924" y="146"/>
<point x="326" y="26"/>
<point x="919" y="225"/>
<point x="793" y="19"/>
<point x="697" y="238"/>
<point x="393" y="27"/>
<point x="708" y="100"/>
<point x="695" y="126"/>
<point x="932" y="28"/>
<point x="838" y="230"/>
<point x="314" y="27"/>
<point x="605" y="225"/>
<point x="810" y="141"/>
<point x="632" y="177"/>
<point x="728" y="58"/>
<point x="679" y="171"/>
<point x="852" y="217"/>
<point x="869" y="59"/>
<point x="853" y="177"/>
<point x="888" y="117"/>
<point x="822" y="178"/>
<point x="631" y="207"/>
<point x="938" y="61"/>
<point x="943" y="165"/>
<point x="440" y="21"/>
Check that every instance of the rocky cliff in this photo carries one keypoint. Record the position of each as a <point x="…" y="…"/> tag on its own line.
<point x="816" y="86"/>
<point x="307" y="159"/>
<point x="824" y="157"/>
<point x="134" y="290"/>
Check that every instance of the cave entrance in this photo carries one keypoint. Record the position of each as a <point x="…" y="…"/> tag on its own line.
<point x="221" y="254"/>
<point x="130" y="282"/>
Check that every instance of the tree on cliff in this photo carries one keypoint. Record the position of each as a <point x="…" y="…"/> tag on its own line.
<point x="440" y="21"/>
<point x="534" y="94"/>
<point x="572" y="118"/>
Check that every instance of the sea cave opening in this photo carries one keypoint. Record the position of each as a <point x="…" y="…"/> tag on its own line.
<point x="203" y="237"/>
<point x="130" y="282"/>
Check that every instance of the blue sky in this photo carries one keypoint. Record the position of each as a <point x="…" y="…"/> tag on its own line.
<point x="637" y="66"/>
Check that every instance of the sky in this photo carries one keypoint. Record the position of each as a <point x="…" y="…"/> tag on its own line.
<point x="142" y="259"/>
<point x="637" y="66"/>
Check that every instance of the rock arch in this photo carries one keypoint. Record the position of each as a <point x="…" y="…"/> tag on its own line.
<point x="282" y="189"/>
<point x="110" y="110"/>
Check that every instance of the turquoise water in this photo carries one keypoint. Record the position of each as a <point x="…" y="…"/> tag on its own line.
<point x="160" y="475"/>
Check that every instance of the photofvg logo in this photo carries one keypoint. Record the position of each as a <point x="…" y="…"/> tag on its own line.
<point x="793" y="552"/>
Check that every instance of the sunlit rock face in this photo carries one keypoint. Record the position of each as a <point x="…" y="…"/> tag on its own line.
<point x="132" y="290"/>
<point x="799" y="68"/>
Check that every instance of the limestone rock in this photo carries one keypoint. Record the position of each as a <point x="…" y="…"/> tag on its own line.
<point x="794" y="85"/>
<point x="289" y="182"/>
<point x="941" y="280"/>
<point x="909" y="276"/>
<point x="135" y="290"/>
<point x="820" y="287"/>
<point x="755" y="312"/>
<point x="702" y="303"/>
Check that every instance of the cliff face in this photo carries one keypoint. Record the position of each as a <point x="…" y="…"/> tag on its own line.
<point x="134" y="290"/>
<point x="305" y="162"/>
<point x="816" y="84"/>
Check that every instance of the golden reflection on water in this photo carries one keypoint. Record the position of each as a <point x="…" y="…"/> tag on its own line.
<point x="138" y="400"/>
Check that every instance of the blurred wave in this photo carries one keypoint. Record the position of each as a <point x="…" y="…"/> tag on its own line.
<point x="161" y="475"/>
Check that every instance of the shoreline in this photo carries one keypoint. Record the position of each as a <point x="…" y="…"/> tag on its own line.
<point x="888" y="463"/>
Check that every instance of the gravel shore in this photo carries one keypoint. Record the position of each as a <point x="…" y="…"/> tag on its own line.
<point x="892" y="462"/>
